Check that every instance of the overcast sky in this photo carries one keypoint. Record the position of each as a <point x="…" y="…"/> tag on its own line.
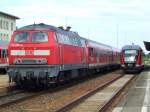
<point x="98" y="20"/>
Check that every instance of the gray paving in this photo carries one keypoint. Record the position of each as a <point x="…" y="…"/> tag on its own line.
<point x="92" y="103"/>
<point x="137" y="99"/>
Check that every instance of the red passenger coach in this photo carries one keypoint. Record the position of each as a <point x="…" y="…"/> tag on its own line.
<point x="101" y="55"/>
<point x="44" y="54"/>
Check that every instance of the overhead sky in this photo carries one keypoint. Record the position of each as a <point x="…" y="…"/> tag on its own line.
<point x="105" y="21"/>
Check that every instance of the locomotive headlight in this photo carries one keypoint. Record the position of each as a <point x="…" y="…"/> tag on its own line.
<point x="132" y="58"/>
<point x="17" y="61"/>
<point x="30" y="61"/>
<point x="41" y="61"/>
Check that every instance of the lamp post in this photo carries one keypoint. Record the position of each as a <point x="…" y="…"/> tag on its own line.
<point x="117" y="33"/>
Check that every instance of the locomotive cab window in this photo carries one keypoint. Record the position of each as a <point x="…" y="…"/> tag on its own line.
<point x="39" y="37"/>
<point x="21" y="37"/>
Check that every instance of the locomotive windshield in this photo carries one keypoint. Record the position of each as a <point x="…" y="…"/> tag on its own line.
<point x="39" y="37"/>
<point x="36" y="37"/>
<point x="21" y="37"/>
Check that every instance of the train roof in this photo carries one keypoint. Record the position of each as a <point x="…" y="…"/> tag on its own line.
<point x="43" y="26"/>
<point x="136" y="47"/>
<point x="96" y="42"/>
<point x="108" y="46"/>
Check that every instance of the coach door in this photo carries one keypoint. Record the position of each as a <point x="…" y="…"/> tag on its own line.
<point x="3" y="55"/>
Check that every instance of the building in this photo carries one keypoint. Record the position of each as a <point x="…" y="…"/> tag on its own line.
<point x="7" y="26"/>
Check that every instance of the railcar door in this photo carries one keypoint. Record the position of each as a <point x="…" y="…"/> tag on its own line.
<point x="84" y="58"/>
<point x="60" y="47"/>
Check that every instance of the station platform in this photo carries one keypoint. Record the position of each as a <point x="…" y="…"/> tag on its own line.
<point x="4" y="80"/>
<point x="138" y="97"/>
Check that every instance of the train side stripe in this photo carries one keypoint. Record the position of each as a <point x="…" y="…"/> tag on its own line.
<point x="17" y="52"/>
<point x="34" y="52"/>
<point x="42" y="52"/>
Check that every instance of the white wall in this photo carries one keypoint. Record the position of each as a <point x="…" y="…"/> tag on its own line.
<point x="5" y="27"/>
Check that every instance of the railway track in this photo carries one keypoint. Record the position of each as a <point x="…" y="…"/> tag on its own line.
<point x="13" y="97"/>
<point x="99" y="99"/>
<point x="56" y="96"/>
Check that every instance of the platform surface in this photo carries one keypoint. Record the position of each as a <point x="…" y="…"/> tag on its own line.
<point x="138" y="97"/>
<point x="3" y="80"/>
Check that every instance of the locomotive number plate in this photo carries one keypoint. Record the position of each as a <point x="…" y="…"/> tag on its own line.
<point x="29" y="52"/>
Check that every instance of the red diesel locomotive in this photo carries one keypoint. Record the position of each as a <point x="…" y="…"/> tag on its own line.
<point x="132" y="58"/>
<point x="44" y="54"/>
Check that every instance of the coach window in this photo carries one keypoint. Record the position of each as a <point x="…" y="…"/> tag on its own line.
<point x="78" y="42"/>
<point x="91" y="52"/>
<point x="97" y="53"/>
<point x="82" y="42"/>
<point x="71" y="41"/>
<point x="63" y="39"/>
<point x="58" y="37"/>
<point x="66" y="40"/>
<point x="75" y="43"/>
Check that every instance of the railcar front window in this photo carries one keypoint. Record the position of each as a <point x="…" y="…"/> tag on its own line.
<point x="130" y="55"/>
<point x="21" y="37"/>
<point x="39" y="37"/>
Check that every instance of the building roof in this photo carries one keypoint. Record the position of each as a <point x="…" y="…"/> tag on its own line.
<point x="147" y="45"/>
<point x="6" y="14"/>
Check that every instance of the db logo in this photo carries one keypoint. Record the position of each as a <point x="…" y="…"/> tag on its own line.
<point x="29" y="52"/>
